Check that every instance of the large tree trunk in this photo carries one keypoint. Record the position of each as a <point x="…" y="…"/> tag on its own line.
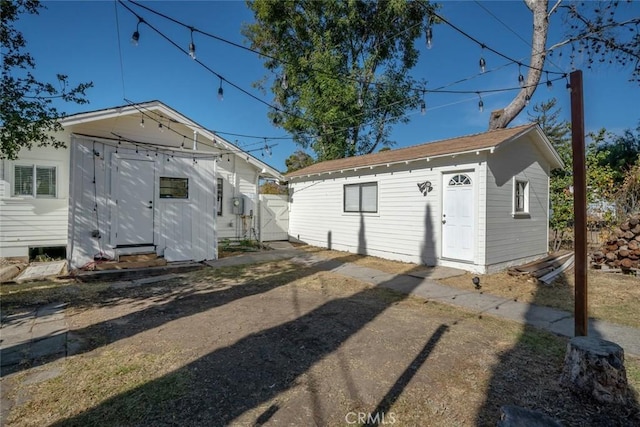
<point x="501" y="118"/>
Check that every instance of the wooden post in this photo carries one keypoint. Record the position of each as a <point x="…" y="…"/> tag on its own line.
<point x="579" y="204"/>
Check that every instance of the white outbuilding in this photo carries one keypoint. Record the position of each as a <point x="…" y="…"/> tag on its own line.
<point x="477" y="202"/>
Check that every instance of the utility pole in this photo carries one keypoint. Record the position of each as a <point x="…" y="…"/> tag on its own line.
<point x="579" y="204"/>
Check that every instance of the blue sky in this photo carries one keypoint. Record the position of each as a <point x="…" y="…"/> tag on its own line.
<point x="90" y="41"/>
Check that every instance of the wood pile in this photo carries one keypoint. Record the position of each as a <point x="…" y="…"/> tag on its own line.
<point x="622" y="249"/>
<point x="546" y="269"/>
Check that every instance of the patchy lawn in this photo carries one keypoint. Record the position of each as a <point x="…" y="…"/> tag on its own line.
<point x="282" y="344"/>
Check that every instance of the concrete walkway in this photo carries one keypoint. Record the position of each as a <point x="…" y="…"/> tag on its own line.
<point x="553" y="320"/>
<point x="31" y="335"/>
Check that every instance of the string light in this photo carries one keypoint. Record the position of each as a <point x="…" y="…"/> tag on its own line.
<point x="192" y="47"/>
<point x="480" y="103"/>
<point x="141" y="121"/>
<point x="284" y="84"/>
<point x="429" y="35"/>
<point x="360" y="100"/>
<point x="423" y="105"/>
<point x="135" y="37"/>
<point x="520" y="76"/>
<point x="527" y="99"/>
<point x="483" y="63"/>
<point x="549" y="84"/>
<point x="160" y="128"/>
<point x="568" y="86"/>
<point x="220" y="91"/>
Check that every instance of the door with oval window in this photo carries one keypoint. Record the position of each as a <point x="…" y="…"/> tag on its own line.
<point x="458" y="216"/>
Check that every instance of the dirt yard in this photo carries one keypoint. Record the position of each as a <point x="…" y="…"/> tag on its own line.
<point x="281" y="344"/>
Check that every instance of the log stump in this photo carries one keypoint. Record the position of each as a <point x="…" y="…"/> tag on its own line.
<point x="595" y="367"/>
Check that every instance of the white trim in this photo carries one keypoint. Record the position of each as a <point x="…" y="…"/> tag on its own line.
<point x="525" y="213"/>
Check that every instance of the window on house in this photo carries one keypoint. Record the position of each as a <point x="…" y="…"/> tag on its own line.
<point x="521" y="197"/>
<point x="361" y="197"/>
<point x="34" y="181"/>
<point x="219" y="199"/>
<point x="174" y="188"/>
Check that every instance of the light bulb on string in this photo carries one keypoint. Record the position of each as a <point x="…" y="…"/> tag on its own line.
<point x="527" y="99"/>
<point x="423" y="105"/>
<point x="142" y="121"/>
<point x="220" y="91"/>
<point x="360" y="100"/>
<point x="192" y="47"/>
<point x="482" y="62"/>
<point x="549" y="84"/>
<point x="429" y="35"/>
<point x="480" y="103"/>
<point x="568" y="86"/>
<point x="520" y="76"/>
<point x="135" y="37"/>
<point x="284" y="84"/>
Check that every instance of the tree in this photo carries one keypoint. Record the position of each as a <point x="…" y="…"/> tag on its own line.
<point x="622" y="152"/>
<point x="343" y="68"/>
<point x="271" y="187"/>
<point x="599" y="174"/>
<point x="27" y="115"/>
<point x="593" y="31"/>
<point x="298" y="160"/>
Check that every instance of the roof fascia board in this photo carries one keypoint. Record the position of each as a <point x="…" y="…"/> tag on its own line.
<point x="398" y="162"/>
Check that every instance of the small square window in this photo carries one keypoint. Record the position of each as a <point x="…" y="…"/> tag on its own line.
<point x="361" y="197"/>
<point x="174" y="188"/>
<point x="34" y="181"/>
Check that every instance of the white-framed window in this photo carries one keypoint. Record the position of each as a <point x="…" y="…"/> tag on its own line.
<point x="361" y="197"/>
<point x="219" y="196"/>
<point x="35" y="181"/>
<point x="520" y="197"/>
<point x="174" y="188"/>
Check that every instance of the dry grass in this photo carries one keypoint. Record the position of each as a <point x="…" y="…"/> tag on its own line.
<point x="307" y="345"/>
<point x="612" y="297"/>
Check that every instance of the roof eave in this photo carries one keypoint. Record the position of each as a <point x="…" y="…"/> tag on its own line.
<point x="397" y="162"/>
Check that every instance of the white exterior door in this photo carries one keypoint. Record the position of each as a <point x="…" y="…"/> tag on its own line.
<point x="457" y="216"/>
<point x="274" y="217"/>
<point x="136" y="182"/>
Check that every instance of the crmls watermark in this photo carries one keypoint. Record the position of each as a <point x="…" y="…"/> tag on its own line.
<point x="379" y="418"/>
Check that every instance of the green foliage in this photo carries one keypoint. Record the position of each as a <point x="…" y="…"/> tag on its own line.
<point x="621" y="151"/>
<point x="27" y="115"/>
<point x="600" y="176"/>
<point x="346" y="66"/>
<point x="298" y="160"/>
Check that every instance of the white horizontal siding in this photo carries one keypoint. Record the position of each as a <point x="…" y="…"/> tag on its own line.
<point x="407" y="226"/>
<point x="27" y="222"/>
<point x="512" y="238"/>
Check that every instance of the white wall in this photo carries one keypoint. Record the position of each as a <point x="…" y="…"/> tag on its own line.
<point x="514" y="238"/>
<point x="34" y="222"/>
<point x="407" y="226"/>
<point x="183" y="229"/>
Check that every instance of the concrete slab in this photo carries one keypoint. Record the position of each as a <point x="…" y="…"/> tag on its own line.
<point x="437" y="273"/>
<point x="41" y="270"/>
<point x="280" y="245"/>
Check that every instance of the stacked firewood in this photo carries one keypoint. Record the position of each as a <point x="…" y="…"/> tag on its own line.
<point x="622" y="249"/>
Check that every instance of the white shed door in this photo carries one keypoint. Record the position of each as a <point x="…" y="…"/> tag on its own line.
<point x="274" y="217"/>
<point x="457" y="217"/>
<point x="135" y="202"/>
